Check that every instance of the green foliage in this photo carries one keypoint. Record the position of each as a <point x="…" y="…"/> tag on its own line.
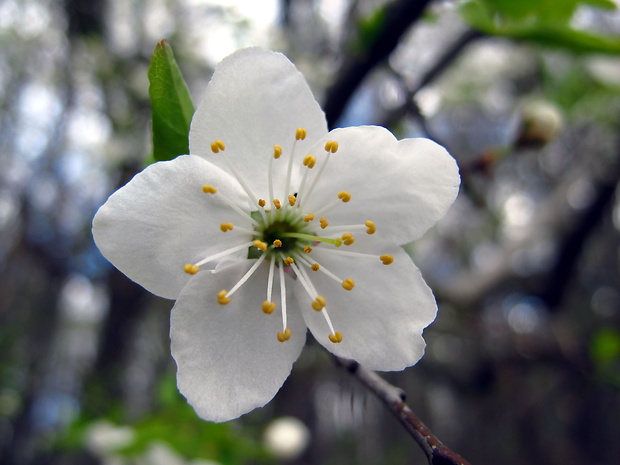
<point x="605" y="353"/>
<point x="544" y="22"/>
<point x="171" y="105"/>
<point x="369" y="29"/>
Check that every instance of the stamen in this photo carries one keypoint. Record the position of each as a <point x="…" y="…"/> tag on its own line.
<point x="348" y="239"/>
<point x="222" y="299"/>
<point x="277" y="151"/>
<point x="289" y="261"/>
<point x="386" y="259"/>
<point x="344" y="196"/>
<point x="272" y="265"/>
<point x="309" y="161"/>
<point x="277" y="204"/>
<point x="329" y="151"/>
<point x="284" y="336"/>
<point x="227" y="227"/>
<point x="277" y="243"/>
<point x="191" y="269"/>
<point x="224" y="253"/>
<point x="212" y="190"/>
<point x="268" y="307"/>
<point x="283" y="297"/>
<point x="217" y="146"/>
<point x="292" y="199"/>
<point x="336" y="337"/>
<point x="324" y="223"/>
<point x="371" y="227"/>
<point x="261" y="202"/>
<point x="348" y="284"/>
<point x="246" y="276"/>
<point x="309" y="217"/>
<point x="300" y="134"/>
<point x="315" y="267"/>
<point x="307" y="249"/>
<point x="331" y="146"/>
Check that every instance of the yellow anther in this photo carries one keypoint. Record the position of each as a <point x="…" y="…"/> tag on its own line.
<point x="262" y="202"/>
<point x="371" y="227"/>
<point x="387" y="259"/>
<point x="348" y="284"/>
<point x="300" y="134"/>
<point x="221" y="297"/>
<point x="309" y="161"/>
<point x="336" y="337"/>
<point x="260" y="245"/>
<point x="209" y="189"/>
<point x="319" y="303"/>
<point x="277" y="204"/>
<point x="268" y="307"/>
<point x="307" y="249"/>
<point x="348" y="239"/>
<point x="277" y="243"/>
<point x="315" y="267"/>
<point x="324" y="223"/>
<point x="277" y="151"/>
<point x="344" y="196"/>
<point x="217" y="146"/>
<point x="227" y="227"/>
<point x="292" y="199"/>
<point x="284" y="336"/>
<point x="191" y="269"/>
<point x="289" y="261"/>
<point x="309" y="217"/>
<point x="331" y="146"/>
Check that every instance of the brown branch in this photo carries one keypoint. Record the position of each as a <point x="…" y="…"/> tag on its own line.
<point x="394" y="399"/>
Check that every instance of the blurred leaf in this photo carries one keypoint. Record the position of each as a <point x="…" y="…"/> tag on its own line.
<point x="171" y="105"/>
<point x="605" y="346"/>
<point x="545" y="22"/>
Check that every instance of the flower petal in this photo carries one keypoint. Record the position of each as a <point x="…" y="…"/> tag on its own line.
<point x="381" y="318"/>
<point x="403" y="186"/>
<point x="256" y="99"/>
<point x="161" y="220"/>
<point x="229" y="360"/>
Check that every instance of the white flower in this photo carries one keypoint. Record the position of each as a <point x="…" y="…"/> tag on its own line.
<point x="249" y="277"/>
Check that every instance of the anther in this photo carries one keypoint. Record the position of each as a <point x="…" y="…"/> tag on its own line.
<point x="319" y="303"/>
<point x="348" y="284"/>
<point x="324" y="223"/>
<point x="344" y="196"/>
<point x="331" y="146"/>
<point x="261" y="202"/>
<point x="277" y="151"/>
<point x="284" y="336"/>
<point x="209" y="189"/>
<point x="292" y="199"/>
<point x="221" y="297"/>
<point x="348" y="239"/>
<point x="307" y="249"/>
<point x="386" y="259"/>
<point x="315" y="267"/>
<point x="300" y="134"/>
<point x="371" y="227"/>
<point x="277" y="204"/>
<point x="309" y="217"/>
<point x="336" y="337"/>
<point x="288" y="261"/>
<point x="260" y="245"/>
<point x="309" y="161"/>
<point x="277" y="243"/>
<point x="217" y="146"/>
<point x="191" y="269"/>
<point x="268" y="307"/>
<point x="226" y="227"/>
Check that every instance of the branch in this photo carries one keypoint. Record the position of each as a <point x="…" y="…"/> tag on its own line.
<point x="394" y="399"/>
<point x="398" y="16"/>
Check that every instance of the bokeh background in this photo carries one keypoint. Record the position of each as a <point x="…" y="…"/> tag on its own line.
<point x="523" y="361"/>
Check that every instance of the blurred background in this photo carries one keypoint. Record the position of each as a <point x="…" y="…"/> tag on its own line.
<point x="523" y="361"/>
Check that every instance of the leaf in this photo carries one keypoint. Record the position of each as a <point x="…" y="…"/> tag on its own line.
<point x="171" y="105"/>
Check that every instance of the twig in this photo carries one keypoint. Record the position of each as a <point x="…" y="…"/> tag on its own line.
<point x="394" y="399"/>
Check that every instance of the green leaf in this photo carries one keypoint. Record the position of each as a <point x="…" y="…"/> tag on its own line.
<point x="171" y="105"/>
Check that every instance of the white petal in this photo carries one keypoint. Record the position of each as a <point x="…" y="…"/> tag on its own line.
<point x="382" y="318"/>
<point x="403" y="186"/>
<point x="228" y="357"/>
<point x="256" y="99"/>
<point x="161" y="220"/>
